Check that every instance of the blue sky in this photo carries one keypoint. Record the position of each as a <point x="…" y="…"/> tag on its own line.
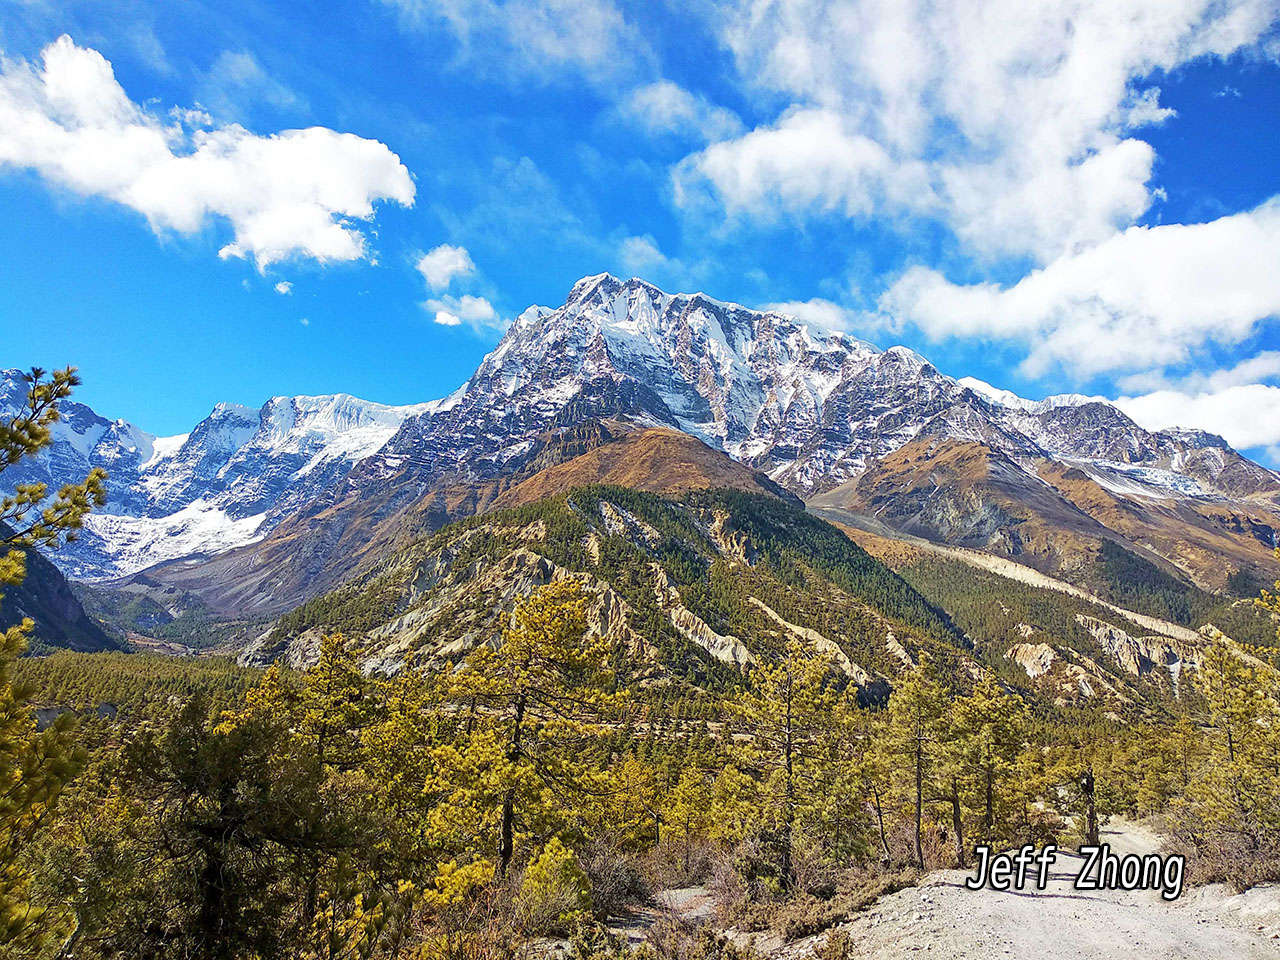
<point x="1078" y="198"/>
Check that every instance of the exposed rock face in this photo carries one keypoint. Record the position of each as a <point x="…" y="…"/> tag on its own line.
<point x="449" y="621"/>
<point x="1035" y="658"/>
<point x="1054" y="516"/>
<point x="725" y="648"/>
<point x="819" y="643"/>
<point x="646" y="580"/>
<point x="1065" y="675"/>
<point x="1140" y="656"/>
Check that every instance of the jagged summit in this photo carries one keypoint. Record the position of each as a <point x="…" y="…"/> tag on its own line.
<point x="808" y="407"/>
<point x="605" y="290"/>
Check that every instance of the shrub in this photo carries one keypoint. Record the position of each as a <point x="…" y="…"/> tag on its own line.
<point x="671" y="864"/>
<point x="837" y="945"/>
<point x="807" y="915"/>
<point x="1217" y="854"/>
<point x="615" y="877"/>
<point x="555" y="892"/>
<point x="671" y="938"/>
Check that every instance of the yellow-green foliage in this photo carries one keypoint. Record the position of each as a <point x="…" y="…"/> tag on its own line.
<point x="555" y="892"/>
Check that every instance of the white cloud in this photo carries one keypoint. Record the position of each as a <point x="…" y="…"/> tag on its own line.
<point x="809" y="160"/>
<point x="537" y="38"/>
<point x="1262" y="366"/>
<point x="297" y="193"/>
<point x="1009" y="122"/>
<point x="666" y="107"/>
<point x="820" y="313"/>
<point x="639" y="254"/>
<point x="1146" y="298"/>
<point x="440" y="265"/>
<point x="1246" y="415"/>
<point x="236" y="82"/>
<point x="476" y="312"/>
<point x="284" y="288"/>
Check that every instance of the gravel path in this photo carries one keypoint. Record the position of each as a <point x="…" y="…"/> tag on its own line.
<point x="941" y="918"/>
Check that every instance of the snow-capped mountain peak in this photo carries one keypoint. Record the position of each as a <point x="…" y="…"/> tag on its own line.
<point x="226" y="483"/>
<point x="807" y="406"/>
<point x="1007" y="398"/>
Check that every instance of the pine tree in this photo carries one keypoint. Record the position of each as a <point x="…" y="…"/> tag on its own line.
<point x="913" y="742"/>
<point x="988" y="734"/>
<point x="34" y="766"/>
<point x="1241" y="785"/>
<point x="542" y="689"/>
<point x="688" y="811"/>
<point x="786" y="710"/>
<point x="630" y="802"/>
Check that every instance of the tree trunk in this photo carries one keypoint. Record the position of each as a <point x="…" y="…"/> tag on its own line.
<point x="919" y="799"/>
<point x="957" y="824"/>
<point x="312" y="873"/>
<point x="213" y="906"/>
<point x="884" y="840"/>
<point x="989" y="810"/>
<point x="68" y="947"/>
<point x="686" y="846"/>
<point x="506" y="840"/>
<point x="789" y="814"/>
<point x="1090" y="809"/>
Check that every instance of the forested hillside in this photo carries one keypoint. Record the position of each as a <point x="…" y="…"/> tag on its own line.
<point x="60" y="621"/>
<point x="690" y="586"/>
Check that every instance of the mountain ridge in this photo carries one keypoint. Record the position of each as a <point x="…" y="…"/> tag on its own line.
<point x="269" y="500"/>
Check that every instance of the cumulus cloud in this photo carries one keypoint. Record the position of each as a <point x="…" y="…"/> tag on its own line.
<point x="1261" y="366"/>
<point x="284" y="287"/>
<point x="477" y="312"/>
<point x="440" y="265"/>
<point x="1146" y="298"/>
<point x="810" y="159"/>
<point x="666" y="107"/>
<point x="639" y="254"/>
<point x="541" y="39"/>
<point x="297" y="193"/>
<point x="820" y="313"/>
<point x="1012" y="123"/>
<point x="1246" y="415"/>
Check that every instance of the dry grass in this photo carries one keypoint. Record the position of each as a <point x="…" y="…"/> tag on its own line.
<point x="656" y="461"/>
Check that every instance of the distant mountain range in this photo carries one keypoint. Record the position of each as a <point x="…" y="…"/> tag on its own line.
<point x="226" y="483"/>
<point x="255" y="511"/>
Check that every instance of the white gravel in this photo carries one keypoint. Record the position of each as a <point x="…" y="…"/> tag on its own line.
<point x="941" y="918"/>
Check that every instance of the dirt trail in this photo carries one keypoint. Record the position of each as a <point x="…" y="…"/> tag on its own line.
<point x="942" y="918"/>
